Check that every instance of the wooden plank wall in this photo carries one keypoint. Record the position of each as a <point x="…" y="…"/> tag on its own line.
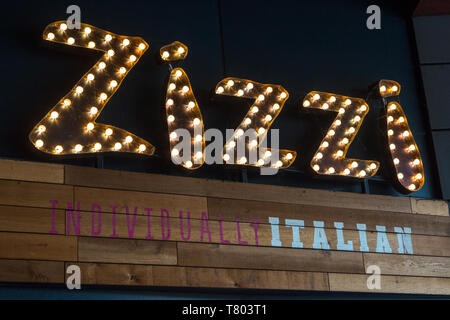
<point x="31" y="251"/>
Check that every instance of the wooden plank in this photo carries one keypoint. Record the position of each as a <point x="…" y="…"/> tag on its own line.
<point x="114" y="274"/>
<point x="429" y="207"/>
<point x="156" y="201"/>
<point x="422" y="245"/>
<point x="31" y="271"/>
<point x="390" y="284"/>
<point x="35" y="220"/>
<point x="409" y="265"/>
<point x="167" y="276"/>
<point x="92" y="177"/>
<point x="229" y="209"/>
<point x="256" y="279"/>
<point x="37" y="246"/>
<point x="31" y="171"/>
<point x="126" y="251"/>
<point x="234" y="256"/>
<point x="32" y="194"/>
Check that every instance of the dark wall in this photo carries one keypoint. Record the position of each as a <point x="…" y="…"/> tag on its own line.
<point x="303" y="45"/>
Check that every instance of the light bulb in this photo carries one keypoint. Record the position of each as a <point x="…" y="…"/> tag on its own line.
<point x="405" y="133"/>
<point x="240" y="92"/>
<point x="178" y="73"/>
<point x="185" y="89"/>
<point x="169" y="102"/>
<point x="165" y="54"/>
<point x="173" y="135"/>
<point x="396" y="161"/>
<point x="316" y="167"/>
<point x="331" y="170"/>
<point x="319" y="155"/>
<point x="220" y="90"/>
<point x="269" y="90"/>
<point x="261" y="97"/>
<point x="306" y="103"/>
<point x="344" y="141"/>
<point x="230" y="83"/>
<point x="325" y="144"/>
<point x="113" y="84"/>
<point x="289" y="156"/>
<point x="172" y="86"/>
<point x="108" y="132"/>
<point x="67" y="102"/>
<point x="191" y="104"/>
<point x="87" y="30"/>
<point x="188" y="163"/>
<point x="340" y="153"/>
<point x="357" y="119"/>
<point x="54" y="115"/>
<point x="400" y="175"/>
<point x="71" y="40"/>
<point x="243" y="160"/>
<point x="250" y="86"/>
<point x="226" y="157"/>
<point x="354" y="164"/>
<point x="117" y="146"/>
<point x="59" y="149"/>
<point x="260" y="162"/>
<point x="412" y="187"/>
<point x="412" y="147"/>
<point x="382" y="88"/>
<point x="390" y="132"/>
<point x="103" y="96"/>
<point x="181" y="50"/>
<point x="347" y="171"/>
<point x="325" y="106"/>
<point x="141" y="46"/>
<point x="41" y="128"/>
<point x="331" y="132"/>
<point x="419" y="176"/>
<point x="170" y="118"/>
<point x="316" y="96"/>
<point x="392" y="106"/>
<point x="247" y="121"/>
<point x="128" y="139"/>
<point x="276" y="106"/>
<point x="102" y="65"/>
<point x="122" y="70"/>
<point x="93" y="111"/>
<point x="255" y="109"/>
<point x="39" y="143"/>
<point x="108" y="37"/>
<point x="90" y="126"/>
<point x="196" y="121"/>
<point x="362" y="173"/>
<point x="416" y="162"/>
<point x="125" y="42"/>
<point x="78" y="148"/>
<point x="90" y="77"/>
<point x="79" y="90"/>
<point x="348" y="102"/>
<point x="91" y="44"/>
<point x="351" y="130"/>
<point x="333" y="99"/>
<point x="97" y="146"/>
<point x="278" y="163"/>
<point x="239" y="132"/>
<point x="175" y="152"/>
<point x="51" y="36"/>
<point x="392" y="146"/>
<point x="267" y="154"/>
<point x="199" y="155"/>
<point x="63" y="26"/>
<point x="142" y="148"/>
<point x="110" y="52"/>
<point x="390" y="118"/>
<point x="268" y="117"/>
<point x="341" y="110"/>
<point x="132" y="58"/>
<point x="363" y="108"/>
<point x="198" y="138"/>
<point x="232" y="144"/>
<point x="261" y="130"/>
<point x="283" y="95"/>
<point x="253" y="143"/>
<point x="338" y="122"/>
<point x="373" y="166"/>
<point x="401" y="119"/>
<point x="394" y="88"/>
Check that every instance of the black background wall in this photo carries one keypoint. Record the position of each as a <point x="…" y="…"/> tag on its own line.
<point x="303" y="45"/>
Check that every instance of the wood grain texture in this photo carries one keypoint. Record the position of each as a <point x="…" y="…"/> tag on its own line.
<point x="234" y="256"/>
<point x="229" y="209"/>
<point x="31" y="271"/>
<point x="126" y="251"/>
<point x="31" y="194"/>
<point x="25" y="219"/>
<point x="389" y="284"/>
<point x="156" y="201"/>
<point x="31" y="171"/>
<point x="422" y="245"/>
<point x="429" y="207"/>
<point x="407" y="265"/>
<point x="37" y="246"/>
<point x="114" y="274"/>
<point x="234" y="190"/>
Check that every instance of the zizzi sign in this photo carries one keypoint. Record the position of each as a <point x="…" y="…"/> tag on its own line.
<point x="150" y="224"/>
<point x="70" y="127"/>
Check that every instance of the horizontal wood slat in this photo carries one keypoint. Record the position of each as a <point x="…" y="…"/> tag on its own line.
<point x="214" y="188"/>
<point x="31" y="171"/>
<point x="35" y="220"/>
<point x="37" y="246"/>
<point x="31" y="271"/>
<point x="31" y="194"/>
<point x="429" y="207"/>
<point x="229" y="209"/>
<point x="234" y="256"/>
<point x="389" y="284"/>
<point x="126" y="251"/>
<point x="409" y="265"/>
<point x="156" y="201"/>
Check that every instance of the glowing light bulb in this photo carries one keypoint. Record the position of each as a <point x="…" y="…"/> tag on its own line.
<point x="316" y="97"/>
<point x="283" y="95"/>
<point x="255" y="109"/>
<point x="196" y="121"/>
<point x="325" y="106"/>
<point x="91" y="44"/>
<point x="400" y="175"/>
<point x="289" y="156"/>
<point x="392" y="106"/>
<point x="79" y="90"/>
<point x="316" y="167"/>
<point x="108" y="132"/>
<point x="170" y="118"/>
<point x="185" y="89"/>
<point x="351" y="130"/>
<point x="198" y="155"/>
<point x="306" y="103"/>
<point x="250" y="86"/>
<point x="122" y="70"/>
<point x="97" y="146"/>
<point x="178" y="73"/>
<point x="347" y="171"/>
<point x="59" y="149"/>
<point x="401" y="119"/>
<point x="54" y="115"/>
<point x="220" y="90"/>
<point x="67" y="102"/>
<point x="240" y="92"/>
<point x="247" y="121"/>
<point x="416" y="162"/>
<point x="269" y="90"/>
<point x="125" y="42"/>
<point x="102" y="65"/>
<point x="226" y="157"/>
<point x="230" y="83"/>
<point x="344" y="141"/>
<point x="382" y="88"/>
<point x="117" y="146"/>
<point x="180" y="50"/>
<point x="390" y="132"/>
<point x="319" y="155"/>
<point x="261" y="130"/>
<point x="165" y="54"/>
<point x="373" y="166"/>
<point x="392" y="146"/>
<point x="331" y="170"/>
<point x="331" y="132"/>
<point x="338" y="122"/>
<point x="175" y="152"/>
<point x="268" y="117"/>
<point x="103" y="96"/>
<point x="90" y="126"/>
<point x="232" y="144"/>
<point x="243" y="160"/>
<point x="405" y="133"/>
<point x="354" y="164"/>
<point x="267" y="154"/>
<point x="191" y="104"/>
<point x="261" y="162"/>
<point x="394" y="88"/>
<point x="412" y="147"/>
<point x="278" y="164"/>
<point x="169" y="102"/>
<point x="239" y="132"/>
<point x="339" y="153"/>
<point x="172" y="86"/>
<point x="128" y="139"/>
<point x="357" y="119"/>
<point x="113" y="84"/>
<point x="325" y="144"/>
<point x="396" y="161"/>
<point x="390" y="118"/>
<point x="341" y="110"/>
<point x="87" y="30"/>
<point x="41" y="128"/>
<point x="333" y="99"/>
<point x="78" y="148"/>
<point x="108" y="37"/>
<point x="141" y="46"/>
<point x="142" y="148"/>
<point x="110" y="52"/>
<point x="418" y="176"/>
<point x="51" y="36"/>
<point x="261" y="97"/>
<point x="133" y="58"/>
<point x="348" y="102"/>
<point x="189" y="164"/>
<point x="198" y="138"/>
<point x="39" y="143"/>
<point x="362" y="173"/>
<point x="412" y="187"/>
<point x="90" y="77"/>
<point x="71" y="40"/>
<point x="173" y="135"/>
<point x="93" y="111"/>
<point x="253" y="143"/>
<point x="63" y="26"/>
<point x="276" y="106"/>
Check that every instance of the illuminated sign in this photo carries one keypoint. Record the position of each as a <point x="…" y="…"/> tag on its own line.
<point x="70" y="127"/>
